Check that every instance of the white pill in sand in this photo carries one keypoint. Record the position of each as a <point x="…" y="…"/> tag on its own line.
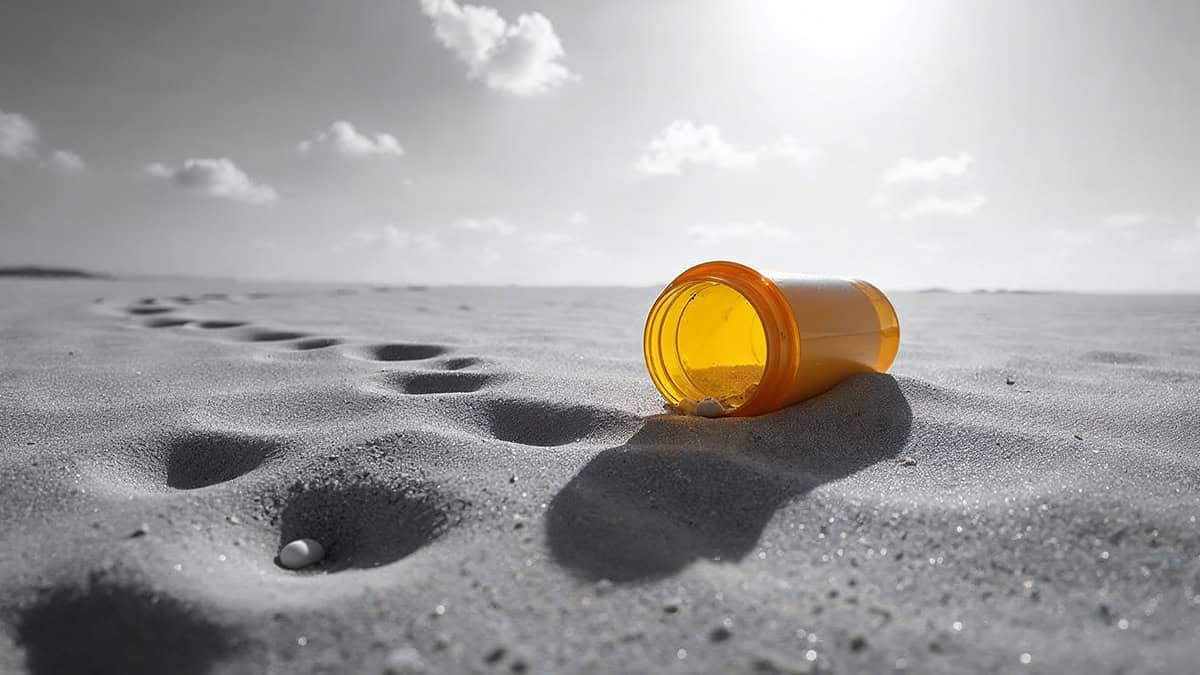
<point x="710" y="407"/>
<point x="301" y="553"/>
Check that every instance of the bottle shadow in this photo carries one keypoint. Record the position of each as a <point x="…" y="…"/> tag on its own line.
<point x="685" y="488"/>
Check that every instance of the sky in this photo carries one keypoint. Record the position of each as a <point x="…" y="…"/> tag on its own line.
<point x="1011" y="143"/>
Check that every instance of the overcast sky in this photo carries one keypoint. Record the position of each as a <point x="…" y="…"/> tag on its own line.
<point x="960" y="144"/>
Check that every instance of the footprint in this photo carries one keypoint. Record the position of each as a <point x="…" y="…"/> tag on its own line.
<point x="547" y="424"/>
<point x="217" y="324"/>
<point x="460" y="362"/>
<point x="315" y="343"/>
<point x="402" y="352"/>
<point x="147" y="310"/>
<point x="269" y="335"/>
<point x="364" y="525"/>
<point x="166" y="322"/>
<point x="201" y="459"/>
<point x="108" y="628"/>
<point x="437" y="383"/>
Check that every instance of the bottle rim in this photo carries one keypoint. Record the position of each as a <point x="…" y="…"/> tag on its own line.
<point x="771" y="306"/>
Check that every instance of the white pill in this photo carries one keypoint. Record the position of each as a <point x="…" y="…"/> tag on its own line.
<point x="301" y="553"/>
<point x="710" y="407"/>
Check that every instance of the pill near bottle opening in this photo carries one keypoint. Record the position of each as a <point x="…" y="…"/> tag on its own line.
<point x="709" y="407"/>
<point x="301" y="553"/>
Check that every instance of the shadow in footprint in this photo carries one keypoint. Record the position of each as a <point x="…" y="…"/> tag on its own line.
<point x="315" y="343"/>
<point x="460" y="362"/>
<point x="402" y="352"/>
<point x="148" y="310"/>
<point x="207" y="458"/>
<point x="217" y="324"/>
<point x="166" y="322"/>
<point x="117" y="629"/>
<point x="687" y="488"/>
<point x="268" y="335"/>
<point x="364" y="525"/>
<point x="437" y="383"/>
<point x="546" y="424"/>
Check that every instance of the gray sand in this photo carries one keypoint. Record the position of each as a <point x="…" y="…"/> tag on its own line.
<point x="498" y="492"/>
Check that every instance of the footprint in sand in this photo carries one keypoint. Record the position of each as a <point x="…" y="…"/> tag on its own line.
<point x="201" y="459"/>
<point x="450" y="382"/>
<point x="143" y="310"/>
<point x="309" y="344"/>
<point x="268" y="335"/>
<point x="362" y="525"/>
<point x="113" y="628"/>
<point x="399" y="352"/>
<point x="166" y="322"/>
<point x="218" y="324"/>
<point x="545" y="424"/>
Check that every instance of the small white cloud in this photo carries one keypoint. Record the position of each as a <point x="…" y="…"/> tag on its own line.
<point x="787" y="147"/>
<point x="577" y="219"/>
<point x="19" y="139"/>
<point x="219" y="178"/>
<point x="753" y="230"/>
<point x="683" y="142"/>
<point x="485" y="225"/>
<point x="343" y="139"/>
<point x="18" y="136"/>
<point x="520" y="58"/>
<point x="964" y="205"/>
<point x="392" y="237"/>
<point x="66" y="162"/>
<point x="929" y="170"/>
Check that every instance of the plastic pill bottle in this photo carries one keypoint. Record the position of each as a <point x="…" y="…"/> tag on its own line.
<point x="724" y="333"/>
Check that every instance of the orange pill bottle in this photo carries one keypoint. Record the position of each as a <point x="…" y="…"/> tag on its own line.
<point x="745" y="343"/>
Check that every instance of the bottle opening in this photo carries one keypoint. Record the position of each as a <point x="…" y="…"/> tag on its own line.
<point x="711" y="344"/>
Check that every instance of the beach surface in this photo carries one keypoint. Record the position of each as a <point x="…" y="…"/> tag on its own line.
<point x="499" y="490"/>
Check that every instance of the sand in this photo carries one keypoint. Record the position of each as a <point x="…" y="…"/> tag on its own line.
<point x="498" y="491"/>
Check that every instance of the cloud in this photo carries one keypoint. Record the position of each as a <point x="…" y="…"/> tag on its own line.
<point x="343" y="139"/>
<point x="577" y="218"/>
<point x="219" y="178"/>
<point x="18" y="136"/>
<point x="520" y="58"/>
<point x="19" y="140"/>
<point x="392" y="237"/>
<point x="963" y="205"/>
<point x="66" y="162"/>
<point x="930" y="170"/>
<point x="787" y="147"/>
<point x="485" y="225"/>
<point x="683" y="142"/>
<point x="752" y="230"/>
